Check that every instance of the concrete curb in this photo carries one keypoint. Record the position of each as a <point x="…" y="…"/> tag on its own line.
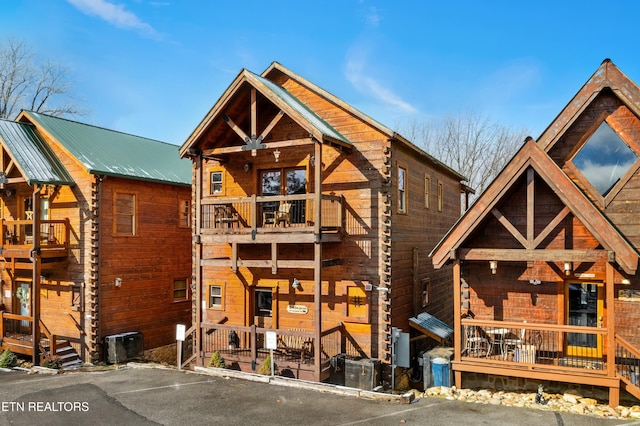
<point x="405" y="398"/>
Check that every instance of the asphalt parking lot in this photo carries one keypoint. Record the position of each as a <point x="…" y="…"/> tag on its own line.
<point x="152" y="396"/>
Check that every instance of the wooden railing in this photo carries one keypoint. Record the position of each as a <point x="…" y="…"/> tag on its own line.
<point x="540" y="344"/>
<point x="248" y="344"/>
<point x="16" y="333"/>
<point x="52" y="234"/>
<point x="628" y="364"/>
<point x="267" y="212"/>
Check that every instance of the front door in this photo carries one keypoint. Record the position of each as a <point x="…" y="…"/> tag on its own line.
<point x="23" y="296"/>
<point x="585" y="308"/>
<point x="263" y="307"/>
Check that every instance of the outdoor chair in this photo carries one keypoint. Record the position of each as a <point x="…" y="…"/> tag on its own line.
<point x="282" y="215"/>
<point x="511" y="343"/>
<point x="475" y="343"/>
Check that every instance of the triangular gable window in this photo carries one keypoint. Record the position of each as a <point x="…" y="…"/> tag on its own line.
<point x="604" y="159"/>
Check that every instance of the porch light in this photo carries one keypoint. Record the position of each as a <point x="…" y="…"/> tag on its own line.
<point x="118" y="282"/>
<point x="567" y="268"/>
<point x="276" y="154"/>
<point x="493" y="264"/>
<point x="295" y="284"/>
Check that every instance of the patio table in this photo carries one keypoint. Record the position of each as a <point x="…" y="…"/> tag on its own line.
<point x="496" y="338"/>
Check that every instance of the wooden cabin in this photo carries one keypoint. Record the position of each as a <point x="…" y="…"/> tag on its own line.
<point x="96" y="223"/>
<point x="545" y="262"/>
<point x="313" y="222"/>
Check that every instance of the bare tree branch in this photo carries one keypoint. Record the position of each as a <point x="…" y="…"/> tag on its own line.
<point x="25" y="84"/>
<point x="469" y="143"/>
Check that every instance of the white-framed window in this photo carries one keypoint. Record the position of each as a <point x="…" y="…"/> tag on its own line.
<point x="216" y="296"/>
<point x="216" y="183"/>
<point x="440" y="197"/>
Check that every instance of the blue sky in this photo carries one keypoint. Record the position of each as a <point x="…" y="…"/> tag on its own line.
<point x="154" y="68"/>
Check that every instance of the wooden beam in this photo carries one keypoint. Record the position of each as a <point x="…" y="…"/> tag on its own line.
<point x="256" y="263"/>
<point x="512" y="229"/>
<point x="532" y="255"/>
<point x="254" y="120"/>
<point x="332" y="262"/>
<point x="234" y="257"/>
<point x="241" y="148"/>
<point x="551" y="226"/>
<point x="530" y="207"/>
<point x="271" y="125"/>
<point x="236" y="129"/>
<point x="457" y="317"/>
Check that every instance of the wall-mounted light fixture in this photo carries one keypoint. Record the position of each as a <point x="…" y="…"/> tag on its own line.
<point x="493" y="264"/>
<point x="276" y="154"/>
<point x="312" y="160"/>
<point x="248" y="166"/>
<point x="295" y="284"/>
<point x="118" y="282"/>
<point x="567" y="268"/>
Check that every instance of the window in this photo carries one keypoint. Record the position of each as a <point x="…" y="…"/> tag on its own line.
<point x="184" y="214"/>
<point x="289" y="181"/>
<point x="440" y="197"/>
<point x="125" y="214"/>
<point x="402" y="190"/>
<point x="180" y="292"/>
<point x="264" y="301"/>
<point x="427" y="191"/>
<point x="216" y="297"/>
<point x="604" y="159"/>
<point x="426" y="289"/>
<point x="216" y="183"/>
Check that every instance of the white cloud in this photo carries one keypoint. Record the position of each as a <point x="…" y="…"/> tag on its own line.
<point x="373" y="17"/>
<point x="116" y="15"/>
<point x="355" y="73"/>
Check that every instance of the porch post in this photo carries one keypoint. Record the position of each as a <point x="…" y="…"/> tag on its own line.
<point x="457" y="327"/>
<point x="614" y="392"/>
<point x="317" y="268"/>
<point x="35" y="287"/>
<point x="197" y="273"/>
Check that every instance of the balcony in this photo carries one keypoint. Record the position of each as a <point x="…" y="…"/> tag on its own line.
<point x="260" y="219"/>
<point x="17" y="239"/>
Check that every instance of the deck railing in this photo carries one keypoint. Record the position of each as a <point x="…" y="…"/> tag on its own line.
<point x="539" y="344"/>
<point x="52" y="234"/>
<point x="628" y="361"/>
<point x="275" y="212"/>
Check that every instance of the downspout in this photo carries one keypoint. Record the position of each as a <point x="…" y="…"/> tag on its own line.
<point x="35" y="288"/>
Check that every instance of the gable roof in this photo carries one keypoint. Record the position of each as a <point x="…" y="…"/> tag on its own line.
<point x="531" y="155"/>
<point x="277" y="67"/>
<point x="31" y="155"/>
<point x="280" y="97"/>
<point x="108" y="152"/>
<point x="607" y="76"/>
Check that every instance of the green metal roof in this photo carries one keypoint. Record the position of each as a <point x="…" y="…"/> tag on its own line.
<point x="109" y="152"/>
<point x="302" y="109"/>
<point x="32" y="156"/>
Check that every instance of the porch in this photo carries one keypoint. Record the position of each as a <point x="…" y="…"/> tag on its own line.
<point x="243" y="348"/>
<point x="286" y="218"/>
<point x="573" y="354"/>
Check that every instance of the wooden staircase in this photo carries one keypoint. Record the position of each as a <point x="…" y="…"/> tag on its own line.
<point x="628" y="366"/>
<point x="69" y="358"/>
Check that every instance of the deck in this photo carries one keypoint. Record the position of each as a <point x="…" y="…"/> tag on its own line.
<point x="571" y="354"/>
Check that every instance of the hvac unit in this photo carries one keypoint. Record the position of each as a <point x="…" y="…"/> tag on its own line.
<point x="123" y="347"/>
<point x="362" y="374"/>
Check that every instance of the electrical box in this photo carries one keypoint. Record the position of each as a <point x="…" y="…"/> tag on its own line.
<point x="123" y="347"/>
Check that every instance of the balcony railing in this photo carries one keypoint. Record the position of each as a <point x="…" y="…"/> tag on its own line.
<point x="18" y="235"/>
<point x="538" y="344"/>
<point x="275" y="213"/>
